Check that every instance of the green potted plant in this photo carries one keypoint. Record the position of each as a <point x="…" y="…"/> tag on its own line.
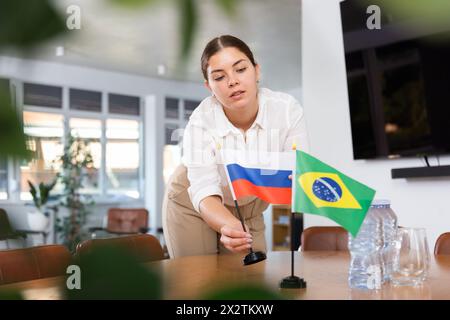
<point x="77" y="165"/>
<point x="38" y="219"/>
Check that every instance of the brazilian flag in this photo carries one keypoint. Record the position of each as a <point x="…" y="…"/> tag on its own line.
<point x="321" y="189"/>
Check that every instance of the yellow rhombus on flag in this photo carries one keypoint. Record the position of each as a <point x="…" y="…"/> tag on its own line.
<point x="322" y="190"/>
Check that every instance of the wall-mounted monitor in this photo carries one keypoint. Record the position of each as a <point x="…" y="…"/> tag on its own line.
<point x="398" y="79"/>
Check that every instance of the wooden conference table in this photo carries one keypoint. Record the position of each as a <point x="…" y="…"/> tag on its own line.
<point x="325" y="273"/>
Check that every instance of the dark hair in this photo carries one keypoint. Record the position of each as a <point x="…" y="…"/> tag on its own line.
<point x="217" y="44"/>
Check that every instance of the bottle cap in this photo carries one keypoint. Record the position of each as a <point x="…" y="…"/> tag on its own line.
<point x="381" y="203"/>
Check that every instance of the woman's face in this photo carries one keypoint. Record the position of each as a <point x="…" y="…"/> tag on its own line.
<point x="232" y="78"/>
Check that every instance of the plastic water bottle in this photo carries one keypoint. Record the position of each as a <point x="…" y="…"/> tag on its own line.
<point x="389" y="219"/>
<point x="366" y="265"/>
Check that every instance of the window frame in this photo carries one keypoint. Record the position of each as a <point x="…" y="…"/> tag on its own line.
<point x="13" y="170"/>
<point x="180" y="122"/>
<point x="6" y="171"/>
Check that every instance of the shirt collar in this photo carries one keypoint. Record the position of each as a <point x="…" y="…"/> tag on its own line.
<point x="224" y="126"/>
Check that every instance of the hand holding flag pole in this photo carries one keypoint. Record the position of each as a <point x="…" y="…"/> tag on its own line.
<point x="252" y="257"/>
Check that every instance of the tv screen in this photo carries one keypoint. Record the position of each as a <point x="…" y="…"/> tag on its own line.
<point x="398" y="79"/>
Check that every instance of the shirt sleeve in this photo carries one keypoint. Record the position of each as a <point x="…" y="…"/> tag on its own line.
<point x="200" y="161"/>
<point x="297" y="132"/>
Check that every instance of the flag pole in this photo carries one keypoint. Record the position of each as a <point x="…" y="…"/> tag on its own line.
<point x="292" y="242"/>
<point x="292" y="281"/>
<point x="252" y="257"/>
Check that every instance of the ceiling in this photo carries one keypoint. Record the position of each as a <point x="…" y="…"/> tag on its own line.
<point x="137" y="41"/>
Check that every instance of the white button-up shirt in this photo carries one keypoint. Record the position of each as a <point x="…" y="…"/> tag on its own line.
<point x="279" y="124"/>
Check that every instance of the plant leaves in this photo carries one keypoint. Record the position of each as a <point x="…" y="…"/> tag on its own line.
<point x="188" y="17"/>
<point x="242" y="292"/>
<point x="12" y="294"/>
<point x="77" y="156"/>
<point x="228" y="6"/>
<point x="109" y="272"/>
<point x="33" y="193"/>
<point x="25" y="24"/>
<point x="132" y="3"/>
<point x="12" y="137"/>
<point x="426" y="13"/>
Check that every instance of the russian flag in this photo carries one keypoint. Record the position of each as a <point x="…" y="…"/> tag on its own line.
<point x="267" y="179"/>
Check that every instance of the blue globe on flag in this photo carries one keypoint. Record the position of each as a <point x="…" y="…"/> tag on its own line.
<point x="327" y="189"/>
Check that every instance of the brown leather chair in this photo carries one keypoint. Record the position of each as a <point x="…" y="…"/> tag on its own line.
<point x="325" y="239"/>
<point x="125" y="221"/>
<point x="443" y="244"/>
<point x="144" y="247"/>
<point x="33" y="263"/>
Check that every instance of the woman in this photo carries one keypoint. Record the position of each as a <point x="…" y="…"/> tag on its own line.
<point x="199" y="216"/>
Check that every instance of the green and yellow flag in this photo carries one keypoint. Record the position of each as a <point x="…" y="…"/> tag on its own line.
<point x="322" y="190"/>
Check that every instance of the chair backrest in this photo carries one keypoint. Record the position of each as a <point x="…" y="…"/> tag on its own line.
<point x="123" y="220"/>
<point x="442" y="245"/>
<point x="325" y="239"/>
<point x="5" y="226"/>
<point x="33" y="263"/>
<point x="144" y="247"/>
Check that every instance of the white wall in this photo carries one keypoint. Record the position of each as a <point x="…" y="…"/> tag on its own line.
<point x="150" y="89"/>
<point x="417" y="202"/>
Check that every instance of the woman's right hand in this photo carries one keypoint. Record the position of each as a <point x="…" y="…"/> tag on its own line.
<point x="235" y="239"/>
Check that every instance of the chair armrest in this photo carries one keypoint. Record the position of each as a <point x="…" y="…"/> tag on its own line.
<point x="144" y="230"/>
<point x="93" y="229"/>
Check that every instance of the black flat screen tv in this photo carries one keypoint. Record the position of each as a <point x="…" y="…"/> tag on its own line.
<point x="398" y="80"/>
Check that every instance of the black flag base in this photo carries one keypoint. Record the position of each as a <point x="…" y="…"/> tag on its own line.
<point x="293" y="282"/>
<point x="254" y="257"/>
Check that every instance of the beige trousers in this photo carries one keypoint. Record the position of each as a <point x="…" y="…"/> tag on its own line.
<point x="187" y="234"/>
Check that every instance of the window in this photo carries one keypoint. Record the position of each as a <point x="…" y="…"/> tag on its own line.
<point x="172" y="108"/>
<point x="113" y="138"/>
<point x="44" y="138"/>
<point x="3" y="179"/>
<point x="89" y="130"/>
<point x="172" y="150"/>
<point x="189" y="107"/>
<point x="177" y="113"/>
<point x="85" y="100"/>
<point x="5" y="86"/>
<point x="120" y="104"/>
<point x="171" y="134"/>
<point x="172" y="158"/>
<point x="122" y="157"/>
<point x="40" y="95"/>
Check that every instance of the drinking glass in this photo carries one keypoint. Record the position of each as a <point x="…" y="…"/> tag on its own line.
<point x="411" y="258"/>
